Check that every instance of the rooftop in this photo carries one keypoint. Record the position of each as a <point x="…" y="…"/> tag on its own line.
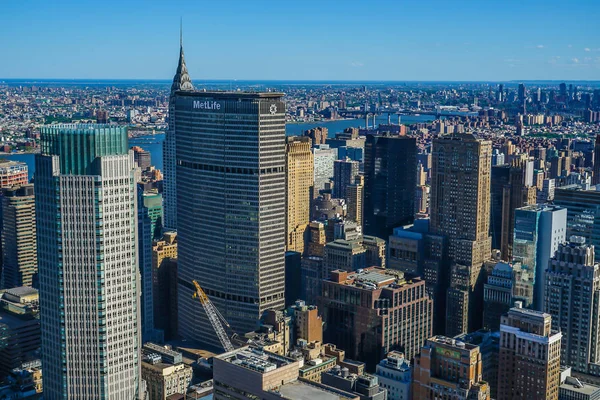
<point x="300" y="390"/>
<point x="575" y="385"/>
<point x="230" y="95"/>
<point x="255" y="359"/>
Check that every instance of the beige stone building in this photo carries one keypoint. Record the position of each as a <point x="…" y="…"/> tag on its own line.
<point x="449" y="369"/>
<point x="299" y="187"/>
<point x="529" y="361"/>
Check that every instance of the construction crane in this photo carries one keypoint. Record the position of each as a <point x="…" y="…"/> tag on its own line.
<point x="215" y="317"/>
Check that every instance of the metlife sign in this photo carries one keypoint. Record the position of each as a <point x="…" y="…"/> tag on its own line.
<point x="205" y="105"/>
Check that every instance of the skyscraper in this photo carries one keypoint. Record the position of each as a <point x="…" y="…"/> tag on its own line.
<point x="460" y="210"/>
<point x="354" y="199"/>
<point x="300" y="184"/>
<point x="181" y="81"/>
<point x="344" y="173"/>
<point x="596" y="170"/>
<point x="390" y="182"/>
<point x="324" y="157"/>
<point x="19" y="244"/>
<point x="529" y="366"/>
<point x="231" y="207"/>
<point x="572" y="298"/>
<point x="537" y="234"/>
<point x="85" y="197"/>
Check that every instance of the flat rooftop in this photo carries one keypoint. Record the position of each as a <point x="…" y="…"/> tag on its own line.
<point x="299" y="390"/>
<point x="230" y="95"/>
<point x="255" y="359"/>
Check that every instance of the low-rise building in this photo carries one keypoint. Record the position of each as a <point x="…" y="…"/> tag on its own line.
<point x="164" y="372"/>
<point x="394" y="374"/>
<point x="365" y="386"/>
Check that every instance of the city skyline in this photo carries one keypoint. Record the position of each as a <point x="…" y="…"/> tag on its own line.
<point x="311" y="41"/>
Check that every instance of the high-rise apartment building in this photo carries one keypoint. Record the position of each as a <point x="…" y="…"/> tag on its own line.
<point x="390" y="182"/>
<point x="324" y="157"/>
<point x="370" y="312"/>
<point x="19" y="243"/>
<point x="460" y="210"/>
<point x="299" y="186"/>
<point x="355" y="199"/>
<point x="85" y="196"/>
<point x="13" y="173"/>
<point x="181" y="81"/>
<point x="344" y="173"/>
<point x="529" y="363"/>
<point x="538" y="232"/>
<point x="583" y="213"/>
<point x="231" y="207"/>
<point x="572" y="298"/>
<point x="449" y="369"/>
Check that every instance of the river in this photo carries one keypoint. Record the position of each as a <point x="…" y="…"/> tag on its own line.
<point x="153" y="143"/>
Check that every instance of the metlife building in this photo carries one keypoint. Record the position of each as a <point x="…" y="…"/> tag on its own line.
<point x="230" y="153"/>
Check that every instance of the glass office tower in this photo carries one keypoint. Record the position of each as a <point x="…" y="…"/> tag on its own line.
<point x="231" y="207"/>
<point x="87" y="255"/>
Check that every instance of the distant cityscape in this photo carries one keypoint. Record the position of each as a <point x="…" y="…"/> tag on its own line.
<point x="236" y="240"/>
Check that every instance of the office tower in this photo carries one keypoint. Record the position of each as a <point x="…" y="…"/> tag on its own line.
<point x="308" y="323"/>
<point x="354" y="197"/>
<point x="299" y="186"/>
<point x="390" y="181"/>
<point x="19" y="244"/>
<point x="497" y="158"/>
<point x="181" y="81"/>
<point x="149" y="220"/>
<point x="353" y="153"/>
<point x="318" y="239"/>
<point x="460" y="210"/>
<point x="164" y="284"/>
<point x="583" y="213"/>
<point x="422" y="200"/>
<point x="324" y="157"/>
<point x="538" y="231"/>
<point x="394" y="374"/>
<point x="547" y="193"/>
<point x="596" y="169"/>
<point x="89" y="288"/>
<point x="386" y="312"/>
<point x="500" y="93"/>
<point x="312" y="274"/>
<point x="522" y="93"/>
<point x="515" y="195"/>
<point x="13" y="173"/>
<point x="499" y="180"/>
<point x="346" y="255"/>
<point x="506" y="284"/>
<point x="19" y="327"/>
<point x="317" y="135"/>
<point x="230" y="207"/>
<point x="572" y="299"/>
<point x="448" y="368"/>
<point x="141" y="157"/>
<point x="375" y="251"/>
<point x="344" y="173"/>
<point x="489" y="347"/>
<point x="164" y="372"/>
<point x="529" y="365"/>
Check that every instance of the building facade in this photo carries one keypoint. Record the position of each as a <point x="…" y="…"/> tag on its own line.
<point x="19" y="243"/>
<point x="529" y="362"/>
<point x="299" y="187"/>
<point x="394" y="374"/>
<point x="181" y="81"/>
<point x="572" y="298"/>
<point x="89" y="288"/>
<point x="390" y="181"/>
<point x="460" y="210"/>
<point x="372" y="312"/>
<point x="231" y="207"/>
<point x="449" y="369"/>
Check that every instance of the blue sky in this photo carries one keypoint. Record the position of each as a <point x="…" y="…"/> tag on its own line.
<point x="302" y="40"/>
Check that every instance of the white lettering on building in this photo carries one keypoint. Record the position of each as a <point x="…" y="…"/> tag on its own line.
<point x="206" y="105"/>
